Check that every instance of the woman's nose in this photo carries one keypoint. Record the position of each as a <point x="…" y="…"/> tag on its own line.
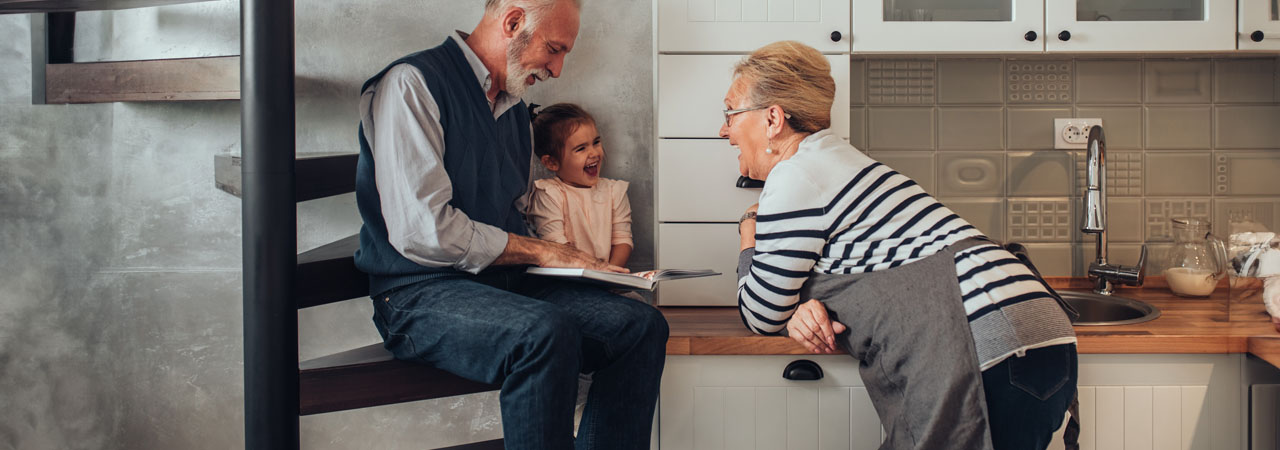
<point x="724" y="130"/>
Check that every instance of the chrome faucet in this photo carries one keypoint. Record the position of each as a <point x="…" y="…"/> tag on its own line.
<point x="1103" y="273"/>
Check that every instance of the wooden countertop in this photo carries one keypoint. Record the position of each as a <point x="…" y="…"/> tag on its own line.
<point x="1216" y="324"/>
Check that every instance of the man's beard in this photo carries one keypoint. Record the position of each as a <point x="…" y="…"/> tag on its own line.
<point x="517" y="73"/>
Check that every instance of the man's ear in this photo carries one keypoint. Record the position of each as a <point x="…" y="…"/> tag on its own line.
<point x="550" y="163"/>
<point x="512" y="21"/>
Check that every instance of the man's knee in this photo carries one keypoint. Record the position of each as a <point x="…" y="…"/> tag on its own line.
<point x="553" y="332"/>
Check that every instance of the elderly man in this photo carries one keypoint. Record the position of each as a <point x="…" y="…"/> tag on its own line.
<point x="442" y="183"/>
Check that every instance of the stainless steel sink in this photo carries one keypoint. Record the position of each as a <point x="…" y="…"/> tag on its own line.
<point x="1097" y="309"/>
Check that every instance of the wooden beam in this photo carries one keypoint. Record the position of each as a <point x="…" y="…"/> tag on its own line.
<point x="365" y="384"/>
<point x="185" y="79"/>
<point x="328" y="274"/>
<point x="40" y="6"/>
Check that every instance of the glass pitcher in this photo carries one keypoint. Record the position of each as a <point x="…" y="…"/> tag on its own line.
<point x="1197" y="261"/>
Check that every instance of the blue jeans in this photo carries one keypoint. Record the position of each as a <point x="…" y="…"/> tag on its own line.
<point x="533" y="336"/>
<point x="1027" y="396"/>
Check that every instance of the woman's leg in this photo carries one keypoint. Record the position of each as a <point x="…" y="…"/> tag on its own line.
<point x="1028" y="396"/>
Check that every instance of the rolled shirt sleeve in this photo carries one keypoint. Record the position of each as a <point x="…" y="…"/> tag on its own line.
<point x="621" y="215"/>
<point x="407" y="143"/>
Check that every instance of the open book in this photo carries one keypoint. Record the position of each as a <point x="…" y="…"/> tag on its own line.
<point x="633" y="281"/>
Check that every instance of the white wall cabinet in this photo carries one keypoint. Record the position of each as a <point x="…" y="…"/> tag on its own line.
<point x="1147" y="25"/>
<point x="691" y="90"/>
<point x="948" y="26"/>
<point x="741" y="26"/>
<point x="698" y="181"/>
<point x="1259" y="25"/>
<point x="1153" y="402"/>
<point x="699" y="246"/>
<point x="934" y="26"/>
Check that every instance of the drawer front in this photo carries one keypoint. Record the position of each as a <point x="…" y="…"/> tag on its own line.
<point x="742" y="402"/>
<point x="744" y="25"/>
<point x="691" y="91"/>
<point x="697" y="179"/>
<point x="699" y="246"/>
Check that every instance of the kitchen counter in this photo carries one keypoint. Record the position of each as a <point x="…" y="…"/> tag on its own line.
<point x="1215" y="324"/>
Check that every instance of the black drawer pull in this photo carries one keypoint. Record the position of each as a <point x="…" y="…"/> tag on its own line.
<point x="749" y="183"/>
<point x="802" y="370"/>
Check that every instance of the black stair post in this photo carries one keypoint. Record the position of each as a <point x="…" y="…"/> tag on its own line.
<point x="269" y="221"/>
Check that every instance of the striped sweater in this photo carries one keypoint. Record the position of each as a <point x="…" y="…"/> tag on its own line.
<point x="830" y="209"/>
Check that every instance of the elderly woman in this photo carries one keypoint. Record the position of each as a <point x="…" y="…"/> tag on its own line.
<point x="961" y="345"/>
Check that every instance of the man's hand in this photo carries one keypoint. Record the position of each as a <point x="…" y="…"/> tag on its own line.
<point x="812" y="328"/>
<point x="526" y="250"/>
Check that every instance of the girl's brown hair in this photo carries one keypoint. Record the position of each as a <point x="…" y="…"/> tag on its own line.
<point x="552" y="125"/>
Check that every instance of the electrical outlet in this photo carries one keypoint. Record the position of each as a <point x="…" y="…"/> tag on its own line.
<point x="1072" y="133"/>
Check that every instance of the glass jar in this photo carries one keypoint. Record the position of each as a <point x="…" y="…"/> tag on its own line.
<point x="1197" y="261"/>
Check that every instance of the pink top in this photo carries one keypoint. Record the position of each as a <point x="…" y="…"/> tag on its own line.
<point x="590" y="219"/>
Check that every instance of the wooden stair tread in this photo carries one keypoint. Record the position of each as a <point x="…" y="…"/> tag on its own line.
<point x="179" y="79"/>
<point x="328" y="274"/>
<point x="369" y="376"/>
<point x="495" y="444"/>
<point x="316" y="175"/>
<point x="39" y="6"/>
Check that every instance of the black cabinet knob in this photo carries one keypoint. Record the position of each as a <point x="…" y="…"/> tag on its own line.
<point x="1257" y="36"/>
<point x="1064" y="36"/>
<point x="802" y="370"/>
<point x="1030" y="36"/>
<point x="836" y="36"/>
<point x="749" y="183"/>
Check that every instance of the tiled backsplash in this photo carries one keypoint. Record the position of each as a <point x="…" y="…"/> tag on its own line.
<point x="1186" y="137"/>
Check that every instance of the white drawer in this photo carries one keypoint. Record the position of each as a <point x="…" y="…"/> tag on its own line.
<point x="691" y="91"/>
<point x="699" y="246"/>
<point x="697" y="179"/>
<point x="745" y="25"/>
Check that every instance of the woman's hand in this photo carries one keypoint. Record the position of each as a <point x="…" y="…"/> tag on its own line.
<point x="747" y="229"/>
<point x="812" y="328"/>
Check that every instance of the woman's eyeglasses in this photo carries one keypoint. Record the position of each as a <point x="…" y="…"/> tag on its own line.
<point x="728" y="113"/>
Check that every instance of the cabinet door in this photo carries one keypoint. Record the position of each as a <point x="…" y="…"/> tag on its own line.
<point x="1141" y="25"/>
<point x="691" y="91"/>
<point x="934" y="26"/>
<point x="745" y="25"/>
<point x="1259" y="25"/>
<point x="699" y="246"/>
<point x="742" y="402"/>
<point x="697" y="179"/>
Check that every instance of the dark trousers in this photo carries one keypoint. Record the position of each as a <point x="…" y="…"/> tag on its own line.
<point x="1028" y="396"/>
<point x="534" y="336"/>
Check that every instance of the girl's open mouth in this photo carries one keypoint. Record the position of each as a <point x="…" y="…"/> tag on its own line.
<point x="592" y="169"/>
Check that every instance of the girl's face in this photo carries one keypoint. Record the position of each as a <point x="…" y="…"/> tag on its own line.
<point x="580" y="160"/>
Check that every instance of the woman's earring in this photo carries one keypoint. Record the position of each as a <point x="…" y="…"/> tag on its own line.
<point x="768" y="150"/>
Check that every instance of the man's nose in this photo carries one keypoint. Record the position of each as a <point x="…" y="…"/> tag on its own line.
<point x="724" y="130"/>
<point x="556" y="65"/>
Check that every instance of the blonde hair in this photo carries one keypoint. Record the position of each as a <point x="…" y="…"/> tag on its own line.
<point x="795" y="77"/>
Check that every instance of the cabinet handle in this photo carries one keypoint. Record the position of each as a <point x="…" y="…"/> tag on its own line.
<point x="749" y="183"/>
<point x="836" y="36"/>
<point x="1257" y="36"/>
<point x="1030" y="36"/>
<point x="1064" y="36"/>
<point x="802" y="370"/>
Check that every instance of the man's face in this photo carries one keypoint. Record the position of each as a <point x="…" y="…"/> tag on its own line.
<point x="538" y="54"/>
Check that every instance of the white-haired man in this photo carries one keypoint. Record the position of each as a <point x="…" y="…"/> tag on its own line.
<point x="442" y="187"/>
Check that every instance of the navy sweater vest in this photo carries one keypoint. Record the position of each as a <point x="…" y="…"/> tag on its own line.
<point x="487" y="161"/>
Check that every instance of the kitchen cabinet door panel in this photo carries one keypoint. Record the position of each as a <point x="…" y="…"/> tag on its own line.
<point x="1259" y="25"/>
<point x="933" y="26"/>
<point x="697" y="182"/>
<point x="740" y="26"/>
<point x="1152" y="25"/>
<point x="699" y="246"/>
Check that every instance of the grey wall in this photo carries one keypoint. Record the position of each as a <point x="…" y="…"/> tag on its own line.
<point x="120" y="318"/>
<point x="1187" y="137"/>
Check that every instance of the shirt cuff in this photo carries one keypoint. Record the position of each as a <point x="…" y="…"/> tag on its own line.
<point x="744" y="262"/>
<point x="487" y="243"/>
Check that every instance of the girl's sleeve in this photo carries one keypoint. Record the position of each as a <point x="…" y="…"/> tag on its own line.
<point x="621" y="215"/>
<point x="546" y="212"/>
<point x="791" y="230"/>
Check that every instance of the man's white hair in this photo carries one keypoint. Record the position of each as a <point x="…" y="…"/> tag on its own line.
<point x="533" y="8"/>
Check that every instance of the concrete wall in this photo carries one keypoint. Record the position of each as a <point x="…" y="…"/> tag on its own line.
<point x="120" y="318"/>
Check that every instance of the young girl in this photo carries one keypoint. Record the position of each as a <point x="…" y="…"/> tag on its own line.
<point x="578" y="207"/>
